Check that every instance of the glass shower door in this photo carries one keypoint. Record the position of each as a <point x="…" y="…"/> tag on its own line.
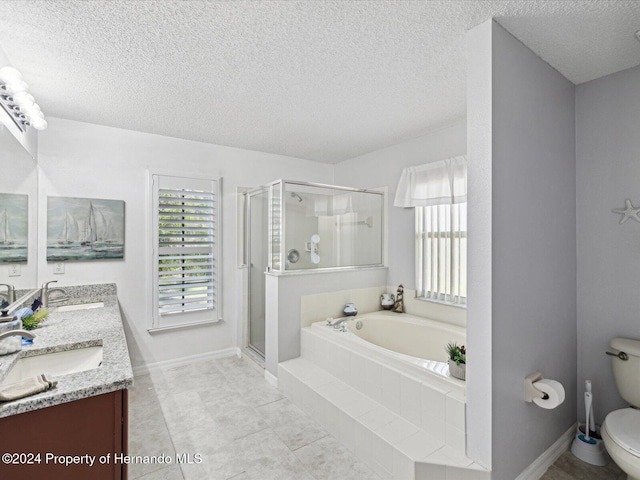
<point x="257" y="229"/>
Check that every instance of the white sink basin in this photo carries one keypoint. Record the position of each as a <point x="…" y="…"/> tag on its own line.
<point x="58" y="363"/>
<point x="80" y="306"/>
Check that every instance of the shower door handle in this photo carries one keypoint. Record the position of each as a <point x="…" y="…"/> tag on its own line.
<point x="315" y="257"/>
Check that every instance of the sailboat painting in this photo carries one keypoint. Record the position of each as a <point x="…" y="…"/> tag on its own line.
<point x="13" y="227"/>
<point x="84" y="229"/>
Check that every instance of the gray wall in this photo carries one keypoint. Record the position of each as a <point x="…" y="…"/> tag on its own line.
<point x="608" y="172"/>
<point x="529" y="118"/>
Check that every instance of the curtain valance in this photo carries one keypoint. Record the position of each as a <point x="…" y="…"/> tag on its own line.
<point x="437" y="183"/>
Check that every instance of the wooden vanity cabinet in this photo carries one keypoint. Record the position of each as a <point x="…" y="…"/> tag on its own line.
<point x="94" y="426"/>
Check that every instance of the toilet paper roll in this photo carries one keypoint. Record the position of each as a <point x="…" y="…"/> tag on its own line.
<point x="553" y="389"/>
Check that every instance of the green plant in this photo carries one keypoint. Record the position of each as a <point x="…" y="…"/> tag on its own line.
<point x="456" y="352"/>
<point x="29" y="323"/>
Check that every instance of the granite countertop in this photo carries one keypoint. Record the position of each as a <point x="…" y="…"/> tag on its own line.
<point x="70" y="330"/>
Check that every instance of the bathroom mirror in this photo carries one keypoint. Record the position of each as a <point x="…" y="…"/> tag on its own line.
<point x="18" y="214"/>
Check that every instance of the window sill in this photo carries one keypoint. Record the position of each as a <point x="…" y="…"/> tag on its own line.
<point x="181" y="326"/>
<point x="442" y="302"/>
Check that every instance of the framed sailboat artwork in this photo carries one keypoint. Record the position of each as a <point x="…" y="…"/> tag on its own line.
<point x="13" y="227"/>
<point x="84" y="229"/>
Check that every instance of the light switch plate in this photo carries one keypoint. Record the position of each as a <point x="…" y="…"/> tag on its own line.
<point x="58" y="268"/>
<point x="15" y="270"/>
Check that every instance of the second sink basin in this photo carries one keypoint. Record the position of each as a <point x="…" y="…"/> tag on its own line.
<point x="58" y="363"/>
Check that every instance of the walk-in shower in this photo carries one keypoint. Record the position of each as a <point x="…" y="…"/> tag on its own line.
<point x="296" y="227"/>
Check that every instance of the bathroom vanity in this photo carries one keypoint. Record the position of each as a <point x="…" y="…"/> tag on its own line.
<point x="78" y="429"/>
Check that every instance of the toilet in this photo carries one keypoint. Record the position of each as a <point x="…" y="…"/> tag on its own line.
<point x="621" y="429"/>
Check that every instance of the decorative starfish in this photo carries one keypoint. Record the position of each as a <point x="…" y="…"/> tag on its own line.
<point x="628" y="212"/>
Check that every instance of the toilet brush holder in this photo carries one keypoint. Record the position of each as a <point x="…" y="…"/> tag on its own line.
<point x="590" y="450"/>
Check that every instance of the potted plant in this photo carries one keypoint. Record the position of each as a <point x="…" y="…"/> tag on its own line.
<point x="457" y="360"/>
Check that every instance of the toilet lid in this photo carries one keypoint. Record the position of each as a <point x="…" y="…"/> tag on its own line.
<point x="624" y="428"/>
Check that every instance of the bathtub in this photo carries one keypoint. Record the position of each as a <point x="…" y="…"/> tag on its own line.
<point x="368" y="385"/>
<point x="396" y="360"/>
<point x="402" y="340"/>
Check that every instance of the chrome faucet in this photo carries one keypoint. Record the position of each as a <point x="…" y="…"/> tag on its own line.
<point x="339" y="324"/>
<point x="7" y="311"/>
<point x="23" y="333"/>
<point x="11" y="292"/>
<point x="46" y="291"/>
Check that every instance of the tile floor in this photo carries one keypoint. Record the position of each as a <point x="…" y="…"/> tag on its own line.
<point x="568" y="467"/>
<point x="245" y="429"/>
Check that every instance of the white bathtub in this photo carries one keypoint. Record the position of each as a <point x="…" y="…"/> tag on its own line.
<point x="398" y="361"/>
<point x="405" y="338"/>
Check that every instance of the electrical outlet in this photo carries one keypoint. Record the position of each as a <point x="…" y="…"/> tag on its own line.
<point x="15" y="270"/>
<point x="58" y="268"/>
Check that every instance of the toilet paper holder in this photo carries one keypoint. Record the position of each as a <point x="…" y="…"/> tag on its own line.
<point x="530" y="391"/>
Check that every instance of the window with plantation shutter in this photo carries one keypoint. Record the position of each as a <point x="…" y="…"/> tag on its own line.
<point x="438" y="192"/>
<point x="186" y="233"/>
<point x="441" y="253"/>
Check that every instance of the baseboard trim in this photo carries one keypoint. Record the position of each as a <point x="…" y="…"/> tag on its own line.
<point x="549" y="456"/>
<point x="177" y="362"/>
<point x="270" y="378"/>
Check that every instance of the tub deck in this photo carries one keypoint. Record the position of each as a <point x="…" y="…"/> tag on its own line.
<point x="403" y="420"/>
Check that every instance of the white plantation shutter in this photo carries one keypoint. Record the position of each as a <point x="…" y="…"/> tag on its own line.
<point x="187" y="236"/>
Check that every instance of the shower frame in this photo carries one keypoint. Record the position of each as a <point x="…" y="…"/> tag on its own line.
<point x="276" y="230"/>
<point x="281" y="233"/>
<point x="277" y="189"/>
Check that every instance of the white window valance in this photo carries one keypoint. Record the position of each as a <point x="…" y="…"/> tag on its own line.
<point x="437" y="183"/>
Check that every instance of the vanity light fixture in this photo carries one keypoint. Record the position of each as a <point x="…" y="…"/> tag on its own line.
<point x="17" y="102"/>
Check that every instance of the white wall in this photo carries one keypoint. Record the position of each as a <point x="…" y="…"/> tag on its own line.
<point x="284" y="305"/>
<point x="479" y="246"/>
<point x="529" y="119"/>
<point x="85" y="160"/>
<point x="383" y="168"/>
<point x="608" y="173"/>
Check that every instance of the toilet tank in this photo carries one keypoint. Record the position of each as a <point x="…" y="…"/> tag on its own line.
<point x="627" y="372"/>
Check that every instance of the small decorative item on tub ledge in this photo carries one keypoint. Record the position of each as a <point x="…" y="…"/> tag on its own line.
<point x="398" y="307"/>
<point x="457" y="360"/>
<point x="387" y="300"/>
<point x="350" y="310"/>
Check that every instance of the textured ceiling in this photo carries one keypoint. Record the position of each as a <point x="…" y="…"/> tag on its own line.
<point x="321" y="80"/>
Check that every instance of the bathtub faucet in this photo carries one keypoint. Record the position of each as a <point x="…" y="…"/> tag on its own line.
<point x="339" y="323"/>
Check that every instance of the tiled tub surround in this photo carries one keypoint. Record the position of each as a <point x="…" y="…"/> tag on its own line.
<point x="403" y="421"/>
<point x="63" y="331"/>
<point x="318" y="306"/>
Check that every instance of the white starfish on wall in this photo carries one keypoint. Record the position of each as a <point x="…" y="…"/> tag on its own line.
<point x="628" y="212"/>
